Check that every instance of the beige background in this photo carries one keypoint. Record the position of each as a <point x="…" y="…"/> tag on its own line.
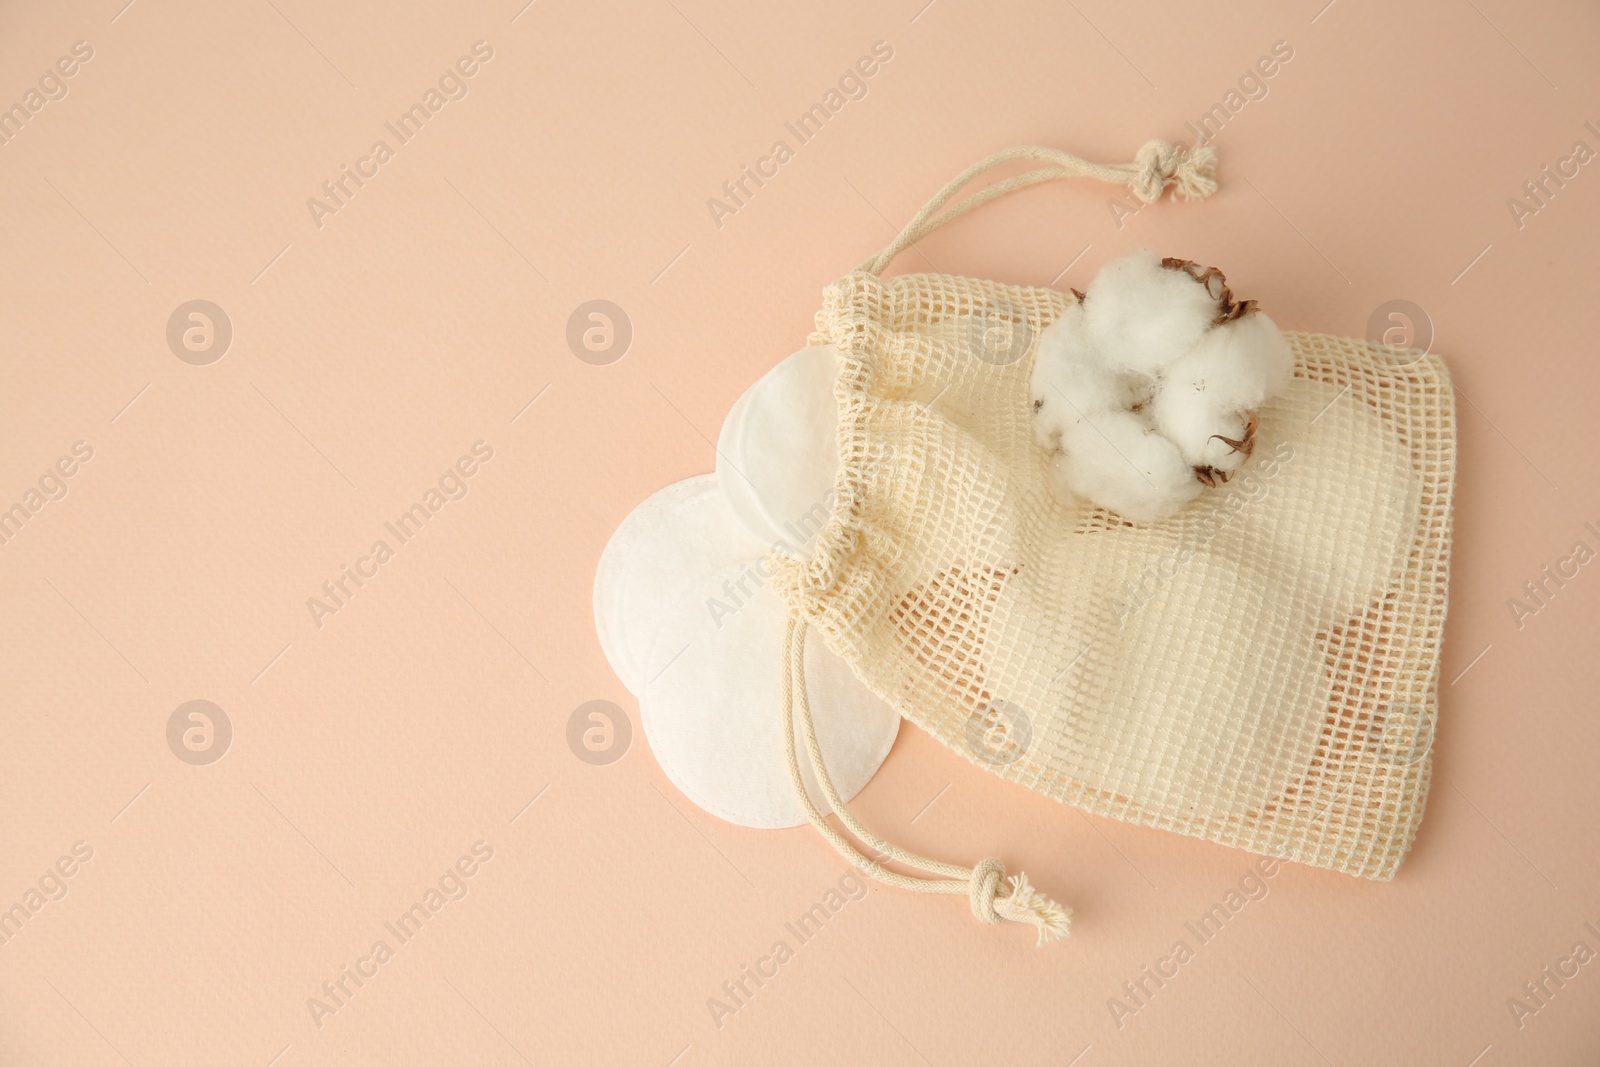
<point x="370" y="753"/>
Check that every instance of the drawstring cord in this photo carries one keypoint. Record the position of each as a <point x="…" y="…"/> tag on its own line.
<point x="994" y="897"/>
<point x="1191" y="173"/>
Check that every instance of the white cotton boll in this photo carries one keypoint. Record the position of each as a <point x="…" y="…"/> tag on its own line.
<point x="1142" y="315"/>
<point x="1071" y="380"/>
<point x="1260" y="357"/>
<point x="1168" y="399"/>
<point x="1209" y="396"/>
<point x="1115" y="461"/>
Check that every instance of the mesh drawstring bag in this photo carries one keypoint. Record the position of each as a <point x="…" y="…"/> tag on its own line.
<point x="1260" y="670"/>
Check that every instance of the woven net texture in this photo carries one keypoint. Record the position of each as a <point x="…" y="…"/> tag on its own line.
<point x="1259" y="671"/>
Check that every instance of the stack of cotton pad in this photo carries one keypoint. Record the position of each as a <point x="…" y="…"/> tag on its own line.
<point x="688" y="621"/>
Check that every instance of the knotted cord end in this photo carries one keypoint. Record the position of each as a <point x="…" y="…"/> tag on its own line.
<point x="1192" y="173"/>
<point x="1196" y="176"/>
<point x="1023" y="904"/>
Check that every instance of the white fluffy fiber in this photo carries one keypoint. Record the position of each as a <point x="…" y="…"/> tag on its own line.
<point x="1142" y="315"/>
<point x="1143" y="397"/>
<point x="1211" y="391"/>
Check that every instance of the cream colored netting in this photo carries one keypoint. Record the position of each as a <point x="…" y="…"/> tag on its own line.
<point x="1259" y="671"/>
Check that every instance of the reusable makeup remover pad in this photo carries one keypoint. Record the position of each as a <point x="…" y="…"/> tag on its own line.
<point x="775" y="455"/>
<point x="687" y="619"/>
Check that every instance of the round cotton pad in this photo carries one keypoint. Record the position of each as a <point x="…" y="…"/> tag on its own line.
<point x="666" y="545"/>
<point x="776" y="454"/>
<point x="687" y="620"/>
<point x="1235" y="735"/>
<point x="712" y="709"/>
<point x="1230" y="734"/>
<point x="1342" y="480"/>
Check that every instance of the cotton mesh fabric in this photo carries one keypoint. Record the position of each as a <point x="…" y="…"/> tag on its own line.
<point x="1269" y="692"/>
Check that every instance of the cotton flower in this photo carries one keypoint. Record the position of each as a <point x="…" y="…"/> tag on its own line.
<point x="1146" y="390"/>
